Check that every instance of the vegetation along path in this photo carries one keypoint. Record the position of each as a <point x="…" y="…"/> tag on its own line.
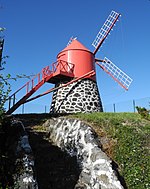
<point x="125" y="137"/>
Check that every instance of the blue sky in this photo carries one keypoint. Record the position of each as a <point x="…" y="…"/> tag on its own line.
<point x="37" y="30"/>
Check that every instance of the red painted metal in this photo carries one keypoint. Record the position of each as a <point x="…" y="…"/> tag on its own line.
<point x="24" y="98"/>
<point x="60" y="68"/>
<point x="46" y="71"/>
<point x="75" y="61"/>
<point x="87" y="75"/>
<point x="108" y="31"/>
<point x="80" y="56"/>
<point x="63" y="66"/>
<point x="103" y="68"/>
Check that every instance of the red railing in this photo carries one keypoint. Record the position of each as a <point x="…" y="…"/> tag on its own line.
<point x="63" y="66"/>
<point x="60" y="65"/>
<point x="28" y="86"/>
<point x="41" y="77"/>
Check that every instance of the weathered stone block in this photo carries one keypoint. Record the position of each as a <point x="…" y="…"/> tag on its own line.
<point x="82" y="96"/>
<point x="79" y="140"/>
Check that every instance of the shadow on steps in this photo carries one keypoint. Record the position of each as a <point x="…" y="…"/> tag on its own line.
<point x="55" y="169"/>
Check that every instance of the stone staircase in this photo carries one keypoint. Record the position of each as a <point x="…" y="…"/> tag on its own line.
<point x="67" y="154"/>
<point x="55" y="169"/>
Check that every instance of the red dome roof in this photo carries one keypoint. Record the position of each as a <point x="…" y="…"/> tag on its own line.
<point x="76" y="45"/>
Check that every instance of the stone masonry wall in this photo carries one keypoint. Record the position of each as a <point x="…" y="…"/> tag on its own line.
<point x="80" y="96"/>
<point x="22" y="159"/>
<point x="79" y="140"/>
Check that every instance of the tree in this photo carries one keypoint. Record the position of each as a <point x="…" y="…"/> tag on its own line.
<point x="4" y="85"/>
<point x="1" y="50"/>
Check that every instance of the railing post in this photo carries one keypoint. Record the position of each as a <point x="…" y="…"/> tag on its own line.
<point x="22" y="108"/>
<point x="9" y="105"/>
<point x="114" y="107"/>
<point x="27" y="87"/>
<point x="38" y="77"/>
<point x="53" y="67"/>
<point x="32" y="83"/>
<point x="14" y="96"/>
<point x="60" y="67"/>
<point x="134" y="109"/>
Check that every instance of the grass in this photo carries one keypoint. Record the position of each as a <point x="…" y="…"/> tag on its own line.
<point x="127" y="142"/>
<point x="128" y="137"/>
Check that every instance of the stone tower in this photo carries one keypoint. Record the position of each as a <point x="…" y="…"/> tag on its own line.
<point x="82" y="95"/>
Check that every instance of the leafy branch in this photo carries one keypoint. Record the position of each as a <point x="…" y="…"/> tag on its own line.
<point x="143" y="112"/>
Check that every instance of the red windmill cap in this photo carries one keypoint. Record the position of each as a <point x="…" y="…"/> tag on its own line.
<point x="75" y="44"/>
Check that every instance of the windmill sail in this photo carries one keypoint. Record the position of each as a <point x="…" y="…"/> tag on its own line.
<point x="117" y="74"/>
<point x="104" y="31"/>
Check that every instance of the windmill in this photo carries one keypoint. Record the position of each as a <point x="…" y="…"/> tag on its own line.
<point x="74" y="76"/>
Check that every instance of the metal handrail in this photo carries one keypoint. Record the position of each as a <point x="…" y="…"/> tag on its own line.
<point x="60" y="64"/>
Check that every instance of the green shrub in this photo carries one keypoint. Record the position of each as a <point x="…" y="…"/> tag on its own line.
<point x="143" y="112"/>
<point x="131" y="149"/>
